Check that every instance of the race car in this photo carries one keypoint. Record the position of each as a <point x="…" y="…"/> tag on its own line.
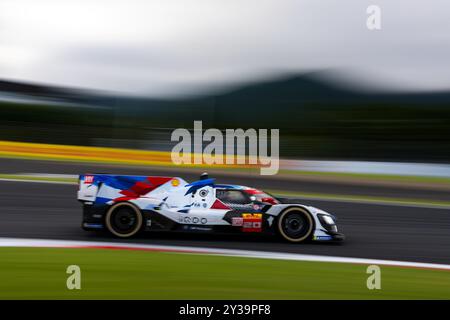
<point x="126" y="205"/>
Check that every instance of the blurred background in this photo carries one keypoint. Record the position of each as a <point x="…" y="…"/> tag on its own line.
<point x="363" y="116"/>
<point x="125" y="74"/>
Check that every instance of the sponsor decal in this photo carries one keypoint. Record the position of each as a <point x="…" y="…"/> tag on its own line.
<point x="193" y="220"/>
<point x="200" y="204"/>
<point x="322" y="237"/>
<point x="88" y="179"/>
<point x="252" y="215"/>
<point x="237" y="222"/>
<point x="247" y="224"/>
<point x="252" y="222"/>
<point x="175" y="182"/>
<point x="256" y="207"/>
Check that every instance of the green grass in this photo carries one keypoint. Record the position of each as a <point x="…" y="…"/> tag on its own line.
<point x="40" y="273"/>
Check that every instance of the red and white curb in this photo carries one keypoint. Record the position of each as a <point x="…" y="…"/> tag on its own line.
<point x="44" y="243"/>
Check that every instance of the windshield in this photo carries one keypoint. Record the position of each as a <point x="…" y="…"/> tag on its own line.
<point x="262" y="196"/>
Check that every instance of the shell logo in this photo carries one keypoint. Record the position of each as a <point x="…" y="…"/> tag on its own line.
<point x="175" y="182"/>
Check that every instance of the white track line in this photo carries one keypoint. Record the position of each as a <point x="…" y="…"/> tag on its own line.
<point x="45" y="243"/>
<point x="38" y="181"/>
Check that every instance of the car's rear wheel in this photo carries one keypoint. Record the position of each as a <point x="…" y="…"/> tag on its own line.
<point x="295" y="224"/>
<point x="123" y="220"/>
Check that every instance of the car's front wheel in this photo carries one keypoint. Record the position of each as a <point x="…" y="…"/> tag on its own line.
<point x="123" y="220"/>
<point x="295" y="224"/>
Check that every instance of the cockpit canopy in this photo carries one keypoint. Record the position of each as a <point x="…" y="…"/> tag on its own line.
<point x="243" y="195"/>
<point x="232" y="194"/>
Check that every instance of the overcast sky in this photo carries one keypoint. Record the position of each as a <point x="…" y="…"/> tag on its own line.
<point x="166" y="47"/>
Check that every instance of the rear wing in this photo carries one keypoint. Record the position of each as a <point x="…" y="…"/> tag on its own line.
<point x="107" y="188"/>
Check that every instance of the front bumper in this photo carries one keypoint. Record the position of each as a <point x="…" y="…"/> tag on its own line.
<point x="331" y="237"/>
<point x="338" y="237"/>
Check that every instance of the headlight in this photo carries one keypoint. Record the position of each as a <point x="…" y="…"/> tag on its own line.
<point x="327" y="219"/>
<point x="327" y="222"/>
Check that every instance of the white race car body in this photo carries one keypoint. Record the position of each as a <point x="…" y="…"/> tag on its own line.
<point x="127" y="204"/>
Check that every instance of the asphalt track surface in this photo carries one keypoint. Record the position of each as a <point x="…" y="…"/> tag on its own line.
<point x="50" y="211"/>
